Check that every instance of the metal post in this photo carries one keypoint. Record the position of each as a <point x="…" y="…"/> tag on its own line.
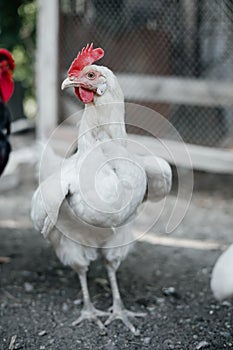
<point x="47" y="67"/>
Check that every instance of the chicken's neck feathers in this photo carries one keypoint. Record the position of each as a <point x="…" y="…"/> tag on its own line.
<point x="103" y="120"/>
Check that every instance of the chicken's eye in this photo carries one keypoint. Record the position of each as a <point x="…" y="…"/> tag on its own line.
<point x="91" y="75"/>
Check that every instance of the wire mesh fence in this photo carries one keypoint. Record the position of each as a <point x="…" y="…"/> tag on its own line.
<point x="178" y="39"/>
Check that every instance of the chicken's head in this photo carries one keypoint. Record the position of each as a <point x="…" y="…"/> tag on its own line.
<point x="88" y="80"/>
<point x="7" y="66"/>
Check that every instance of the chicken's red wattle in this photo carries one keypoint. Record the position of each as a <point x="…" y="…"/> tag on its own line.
<point x="84" y="95"/>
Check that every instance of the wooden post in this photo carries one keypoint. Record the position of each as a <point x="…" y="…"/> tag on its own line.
<point x="47" y="67"/>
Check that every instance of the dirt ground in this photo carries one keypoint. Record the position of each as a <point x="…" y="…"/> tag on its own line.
<point x="40" y="298"/>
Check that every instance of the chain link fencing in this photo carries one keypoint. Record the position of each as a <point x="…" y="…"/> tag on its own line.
<point x="184" y="42"/>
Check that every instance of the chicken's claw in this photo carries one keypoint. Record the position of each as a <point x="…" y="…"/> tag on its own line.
<point x="120" y="313"/>
<point x="92" y="314"/>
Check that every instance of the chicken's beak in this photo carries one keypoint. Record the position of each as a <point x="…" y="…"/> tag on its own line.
<point x="69" y="82"/>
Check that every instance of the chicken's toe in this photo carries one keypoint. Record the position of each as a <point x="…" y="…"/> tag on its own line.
<point x="92" y="314"/>
<point x="123" y="314"/>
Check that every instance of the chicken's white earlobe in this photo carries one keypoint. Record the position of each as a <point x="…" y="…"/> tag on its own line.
<point x="101" y="89"/>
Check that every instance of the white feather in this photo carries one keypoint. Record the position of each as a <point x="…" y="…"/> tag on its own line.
<point x="159" y="176"/>
<point x="222" y="275"/>
<point x="88" y="201"/>
<point x="50" y="161"/>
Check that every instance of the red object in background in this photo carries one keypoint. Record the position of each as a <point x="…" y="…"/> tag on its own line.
<point x="7" y="66"/>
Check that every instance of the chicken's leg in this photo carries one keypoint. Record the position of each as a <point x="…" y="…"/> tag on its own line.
<point x="118" y="309"/>
<point x="89" y="312"/>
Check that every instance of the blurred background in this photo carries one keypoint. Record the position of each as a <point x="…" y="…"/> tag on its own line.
<point x="172" y="56"/>
<point x="18" y="35"/>
<point x="187" y="43"/>
<point x="176" y="57"/>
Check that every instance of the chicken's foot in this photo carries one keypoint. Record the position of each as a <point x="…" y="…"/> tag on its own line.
<point x="89" y="312"/>
<point x="118" y="309"/>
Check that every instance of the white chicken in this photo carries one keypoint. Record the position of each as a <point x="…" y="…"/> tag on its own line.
<point x="86" y="206"/>
<point x="222" y="275"/>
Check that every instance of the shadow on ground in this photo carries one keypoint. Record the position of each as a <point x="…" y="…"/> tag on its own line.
<point x="40" y="298"/>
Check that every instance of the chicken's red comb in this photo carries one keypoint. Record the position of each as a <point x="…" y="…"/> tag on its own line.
<point x="9" y="57"/>
<point x="87" y="56"/>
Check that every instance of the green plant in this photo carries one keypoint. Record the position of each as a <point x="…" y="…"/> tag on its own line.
<point x="18" y="34"/>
